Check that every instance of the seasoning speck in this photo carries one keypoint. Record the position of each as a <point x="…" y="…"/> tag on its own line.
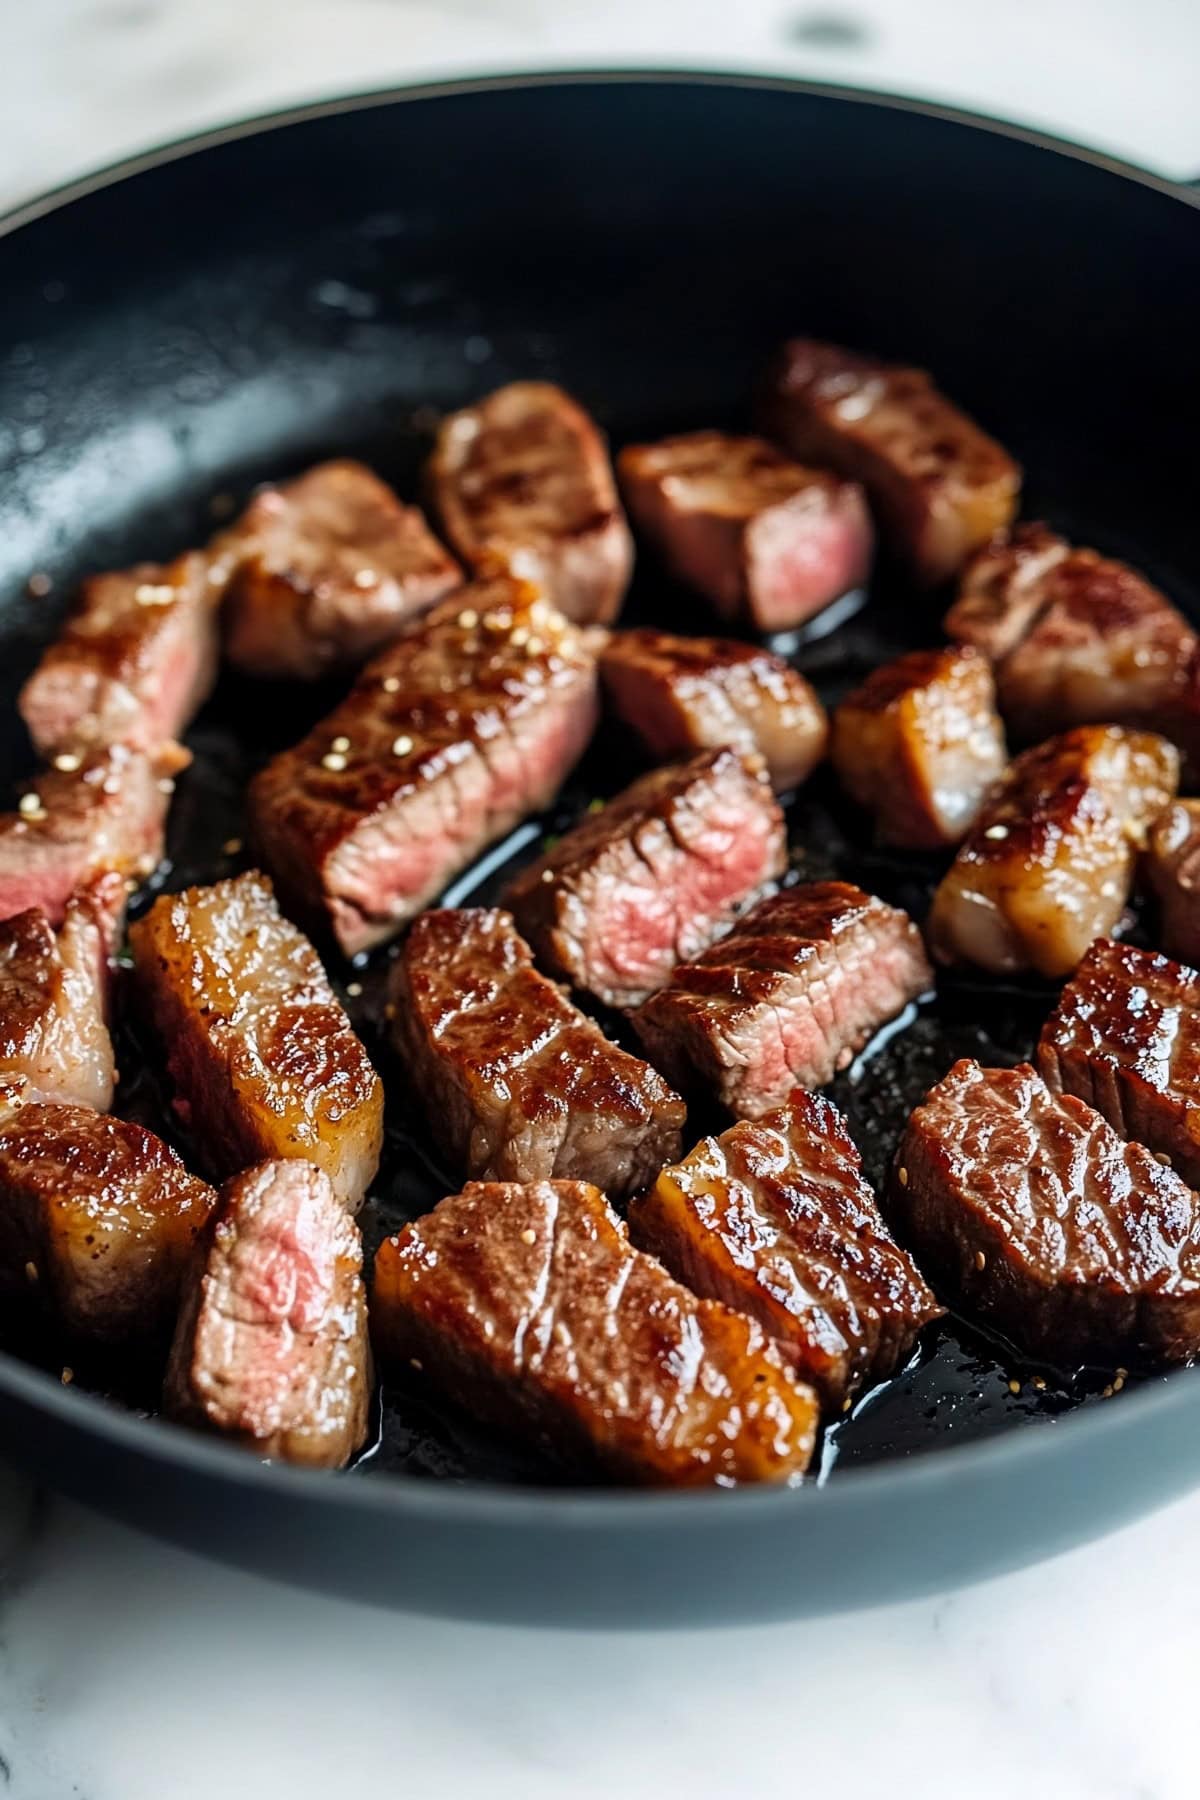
<point x="68" y="1375"/>
<point x="980" y="1260"/>
<point x="340" y="743"/>
<point x="1039" y="1382"/>
<point x="231" y="846"/>
<point x="166" y="785"/>
<point x="467" y="619"/>
<point x="39" y="585"/>
<point x="1014" y="1387"/>
<point x="401" y="746"/>
<point x="152" y="593"/>
<point x="334" y="760"/>
<point x="529" y="1236"/>
<point x="31" y="1271"/>
<point x="31" y="807"/>
<point x="416" y="1363"/>
<point x="996" y="831"/>
<point x="354" y="989"/>
<point x="366" y="578"/>
<point x="392" y="685"/>
<point x="68" y="762"/>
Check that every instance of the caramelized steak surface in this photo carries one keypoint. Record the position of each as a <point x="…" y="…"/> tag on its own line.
<point x="1172" y="865"/>
<point x="54" y="1041"/>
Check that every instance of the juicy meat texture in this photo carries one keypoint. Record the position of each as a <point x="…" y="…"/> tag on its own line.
<point x="774" y="1219"/>
<point x="1125" y="1037"/>
<point x="653" y="877"/>
<point x="680" y="694"/>
<point x="271" y="1343"/>
<point x="1048" y="864"/>
<point x="920" y="745"/>
<point x="764" y="539"/>
<point x="99" y="1221"/>
<point x="134" y="662"/>
<point x="522" y="483"/>
<point x="451" y="737"/>
<point x="788" y="998"/>
<point x="1079" y="1247"/>
<point x="264" y="1061"/>
<point x="529" y="1308"/>
<point x="1173" y="868"/>
<point x="517" y="1084"/>
<point x="1077" y="639"/>
<point x="322" y="571"/>
<point x="939" y="485"/>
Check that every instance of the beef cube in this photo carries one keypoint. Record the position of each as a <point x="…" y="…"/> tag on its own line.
<point x="99" y="1221"/>
<point x="517" y="1084"/>
<point x="939" y="485"/>
<point x="263" y="1058"/>
<point x="271" y="1344"/>
<point x="920" y="745"/>
<point x="451" y="737"/>
<point x="324" y="570"/>
<point x="528" y="1307"/>
<point x="1173" y="867"/>
<point x="1048" y="864"/>
<point x="766" y="540"/>
<point x="680" y="694"/>
<point x="522" y="484"/>
<point x="774" y="1219"/>
<point x="1077" y="1246"/>
<point x="653" y="877"/>
<point x="788" y="998"/>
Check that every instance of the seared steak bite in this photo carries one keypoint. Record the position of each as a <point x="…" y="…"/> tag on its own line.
<point x="271" y="1343"/>
<point x="528" y="1307"/>
<point x="774" y="1218"/>
<point x="680" y="694"/>
<point x="764" y="539"/>
<point x="919" y="744"/>
<point x="263" y="1058"/>
<point x="522" y="483"/>
<point x="1048" y="863"/>
<point x="135" y="660"/>
<point x="940" y="485"/>
<point x="1173" y="867"/>
<point x="98" y="1221"/>
<point x="517" y="1084"/>
<point x="788" y="998"/>
<point x="451" y="737"/>
<point x="1125" y="1037"/>
<point x="322" y="571"/>
<point x="653" y="877"/>
<point x="1079" y="1247"/>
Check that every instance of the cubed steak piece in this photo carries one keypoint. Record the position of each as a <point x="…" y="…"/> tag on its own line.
<point x="1125" y="1037"/>
<point x="774" y="1219"/>
<point x="90" y="814"/>
<point x="522" y="483"/>
<point x="1077" y="639"/>
<point x="679" y="694"/>
<point x="134" y="662"/>
<point x="452" y="736"/>
<point x="530" y="1309"/>
<point x="1075" y="1245"/>
<point x="920" y="744"/>
<point x="322" y="571"/>
<point x="263" y="1058"/>
<point x="939" y="485"/>
<point x="653" y="877"/>
<point x="1048" y="864"/>
<point x="99" y="1221"/>
<point x="766" y="540"/>
<point x="271" y="1343"/>
<point x="1173" y="867"/>
<point x="797" y="988"/>
<point x="516" y="1083"/>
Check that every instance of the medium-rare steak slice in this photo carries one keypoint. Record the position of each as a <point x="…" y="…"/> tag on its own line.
<point x="920" y="744"/>
<point x="522" y="483"/>
<point x="760" y="536"/>
<point x="517" y="1084"/>
<point x="788" y="998"/>
<point x="271" y="1344"/>
<point x="1079" y="1247"/>
<point x="98" y="1221"/>
<point x="451" y="737"/>
<point x="680" y="694"/>
<point x="134" y="662"/>
<point x="1173" y="867"/>
<point x="1048" y="864"/>
<point x="653" y="877"/>
<point x="528" y="1307"/>
<point x="264" y="1060"/>
<point x="322" y="571"/>
<point x="940" y="486"/>
<point x="774" y="1219"/>
<point x="1125" y="1037"/>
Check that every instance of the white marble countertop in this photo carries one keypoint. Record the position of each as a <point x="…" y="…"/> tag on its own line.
<point x="129" y="1671"/>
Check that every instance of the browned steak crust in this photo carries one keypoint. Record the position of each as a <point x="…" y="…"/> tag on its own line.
<point x="54" y="1041"/>
<point x="1172" y="865"/>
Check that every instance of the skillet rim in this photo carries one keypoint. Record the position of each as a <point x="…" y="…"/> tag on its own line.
<point x="160" y="1440"/>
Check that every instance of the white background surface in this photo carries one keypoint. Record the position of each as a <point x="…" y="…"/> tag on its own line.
<point x="132" y="1672"/>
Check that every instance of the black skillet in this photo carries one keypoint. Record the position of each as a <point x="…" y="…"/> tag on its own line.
<point x="176" y="329"/>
